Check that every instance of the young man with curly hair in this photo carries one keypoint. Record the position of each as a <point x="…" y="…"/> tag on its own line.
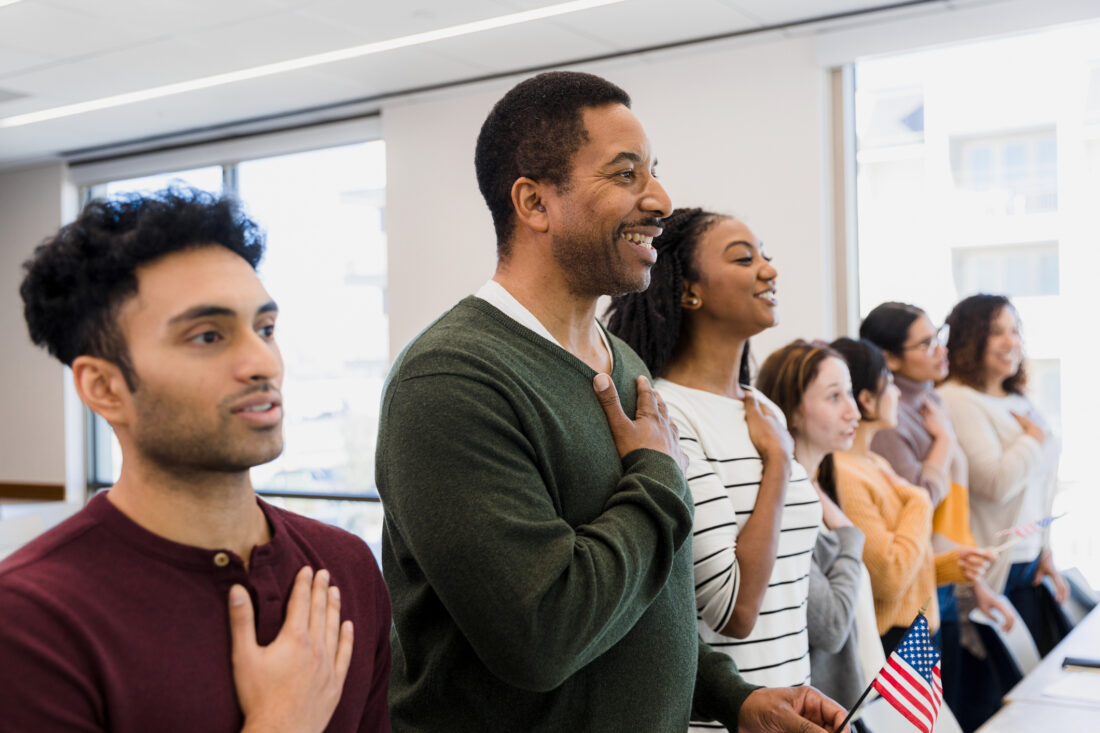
<point x="177" y="600"/>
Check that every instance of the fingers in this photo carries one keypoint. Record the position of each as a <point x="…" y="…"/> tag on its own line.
<point x="297" y="608"/>
<point x="609" y="400"/>
<point x="1009" y="619"/>
<point x="241" y="625"/>
<point x="343" y="653"/>
<point x="318" y="607"/>
<point x="332" y="620"/>
<point x="649" y="402"/>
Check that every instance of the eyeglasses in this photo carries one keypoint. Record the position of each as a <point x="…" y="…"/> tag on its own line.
<point x="933" y="342"/>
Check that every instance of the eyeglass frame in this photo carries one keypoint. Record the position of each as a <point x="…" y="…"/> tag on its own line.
<point x="930" y="344"/>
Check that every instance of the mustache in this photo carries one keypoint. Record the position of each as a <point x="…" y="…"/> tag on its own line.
<point x="647" y="222"/>
<point x="259" y="387"/>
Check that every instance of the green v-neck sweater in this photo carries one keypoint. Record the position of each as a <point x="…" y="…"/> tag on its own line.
<point x="539" y="582"/>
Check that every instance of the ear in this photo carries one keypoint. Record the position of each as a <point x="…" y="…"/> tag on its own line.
<point x="795" y="424"/>
<point x="690" y="298"/>
<point x="529" y="205"/>
<point x="893" y="362"/>
<point x="868" y="402"/>
<point x="102" y="387"/>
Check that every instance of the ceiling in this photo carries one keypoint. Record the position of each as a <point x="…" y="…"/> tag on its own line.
<point x="61" y="52"/>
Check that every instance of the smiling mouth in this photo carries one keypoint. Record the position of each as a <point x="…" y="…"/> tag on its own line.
<point x="257" y="408"/>
<point x="768" y="296"/>
<point x="639" y="239"/>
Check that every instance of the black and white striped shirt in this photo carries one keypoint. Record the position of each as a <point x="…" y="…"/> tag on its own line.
<point x="724" y="474"/>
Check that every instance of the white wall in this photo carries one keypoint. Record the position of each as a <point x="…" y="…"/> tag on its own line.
<point x="737" y="127"/>
<point x="32" y="408"/>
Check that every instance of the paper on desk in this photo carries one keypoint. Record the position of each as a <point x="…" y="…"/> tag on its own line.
<point x="1078" y="686"/>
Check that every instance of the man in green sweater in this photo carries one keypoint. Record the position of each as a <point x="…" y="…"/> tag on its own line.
<point x="535" y="532"/>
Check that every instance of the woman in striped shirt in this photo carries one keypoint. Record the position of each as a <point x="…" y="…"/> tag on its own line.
<point x="756" y="514"/>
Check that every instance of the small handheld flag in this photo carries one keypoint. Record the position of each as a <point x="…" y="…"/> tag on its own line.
<point x="1026" y="530"/>
<point x="910" y="679"/>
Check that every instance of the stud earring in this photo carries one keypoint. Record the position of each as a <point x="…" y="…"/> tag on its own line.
<point x="693" y="301"/>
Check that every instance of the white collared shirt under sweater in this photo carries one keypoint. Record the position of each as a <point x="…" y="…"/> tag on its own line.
<point x="724" y="475"/>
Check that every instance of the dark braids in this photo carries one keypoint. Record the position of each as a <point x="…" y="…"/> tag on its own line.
<point x="650" y="321"/>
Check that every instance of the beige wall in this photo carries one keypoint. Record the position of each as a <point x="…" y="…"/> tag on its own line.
<point x="739" y="128"/>
<point x="32" y="423"/>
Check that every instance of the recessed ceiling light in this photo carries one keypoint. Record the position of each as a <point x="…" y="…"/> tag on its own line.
<point x="304" y="62"/>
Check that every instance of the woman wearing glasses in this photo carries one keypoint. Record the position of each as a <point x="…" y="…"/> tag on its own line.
<point x="1012" y="455"/>
<point x="923" y="450"/>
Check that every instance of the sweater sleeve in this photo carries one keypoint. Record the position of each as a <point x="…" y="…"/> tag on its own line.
<point x="536" y="598"/>
<point x="720" y="690"/>
<point x="947" y="568"/>
<point x="892" y="555"/>
<point x="831" y="606"/>
<point x="899" y="452"/>
<point x="997" y="472"/>
<point x="714" y="539"/>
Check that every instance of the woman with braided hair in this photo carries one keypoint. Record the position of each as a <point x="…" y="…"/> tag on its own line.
<point x="756" y="514"/>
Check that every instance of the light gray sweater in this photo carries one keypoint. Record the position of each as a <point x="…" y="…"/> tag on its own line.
<point x="831" y="613"/>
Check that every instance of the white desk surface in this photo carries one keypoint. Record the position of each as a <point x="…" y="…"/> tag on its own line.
<point x="1024" y="716"/>
<point x="1083" y="641"/>
<point x="1026" y="708"/>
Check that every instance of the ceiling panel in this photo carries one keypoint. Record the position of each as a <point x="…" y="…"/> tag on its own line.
<point x="60" y="52"/>
<point x="522" y="46"/>
<point x="13" y="61"/>
<point x="170" y="17"/>
<point x="776" y="12"/>
<point x="641" y="23"/>
<point x="55" y="32"/>
<point x="375" y="21"/>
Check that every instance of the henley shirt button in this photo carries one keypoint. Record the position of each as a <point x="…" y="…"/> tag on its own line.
<point x="221" y="559"/>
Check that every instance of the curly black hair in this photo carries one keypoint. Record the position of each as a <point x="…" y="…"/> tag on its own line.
<point x="534" y="131"/>
<point x="650" y="321"/>
<point x="971" y="321"/>
<point x="76" y="280"/>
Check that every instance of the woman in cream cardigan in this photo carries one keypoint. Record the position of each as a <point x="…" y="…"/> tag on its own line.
<point x="1011" y="453"/>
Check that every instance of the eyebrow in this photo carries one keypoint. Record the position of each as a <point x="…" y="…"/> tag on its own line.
<point x="626" y="156"/>
<point x="740" y="242"/>
<point x="218" y="311"/>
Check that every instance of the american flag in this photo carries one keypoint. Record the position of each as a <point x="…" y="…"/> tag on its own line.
<point x="910" y="679"/>
<point x="1025" y="530"/>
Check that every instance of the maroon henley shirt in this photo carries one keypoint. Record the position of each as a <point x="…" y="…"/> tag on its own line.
<point x="106" y="626"/>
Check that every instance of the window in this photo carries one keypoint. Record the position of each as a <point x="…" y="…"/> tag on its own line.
<point x="997" y="194"/>
<point x="324" y="215"/>
<point x="1013" y="174"/>
<point x="1012" y="270"/>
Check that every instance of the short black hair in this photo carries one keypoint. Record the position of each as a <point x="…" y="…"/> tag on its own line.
<point x="534" y="131"/>
<point x="76" y="280"/>
<point x="887" y="325"/>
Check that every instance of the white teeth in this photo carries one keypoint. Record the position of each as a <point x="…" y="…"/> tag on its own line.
<point x="257" y="408"/>
<point x="638" y="239"/>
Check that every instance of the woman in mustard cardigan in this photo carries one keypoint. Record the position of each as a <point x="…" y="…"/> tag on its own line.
<point x="895" y="516"/>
